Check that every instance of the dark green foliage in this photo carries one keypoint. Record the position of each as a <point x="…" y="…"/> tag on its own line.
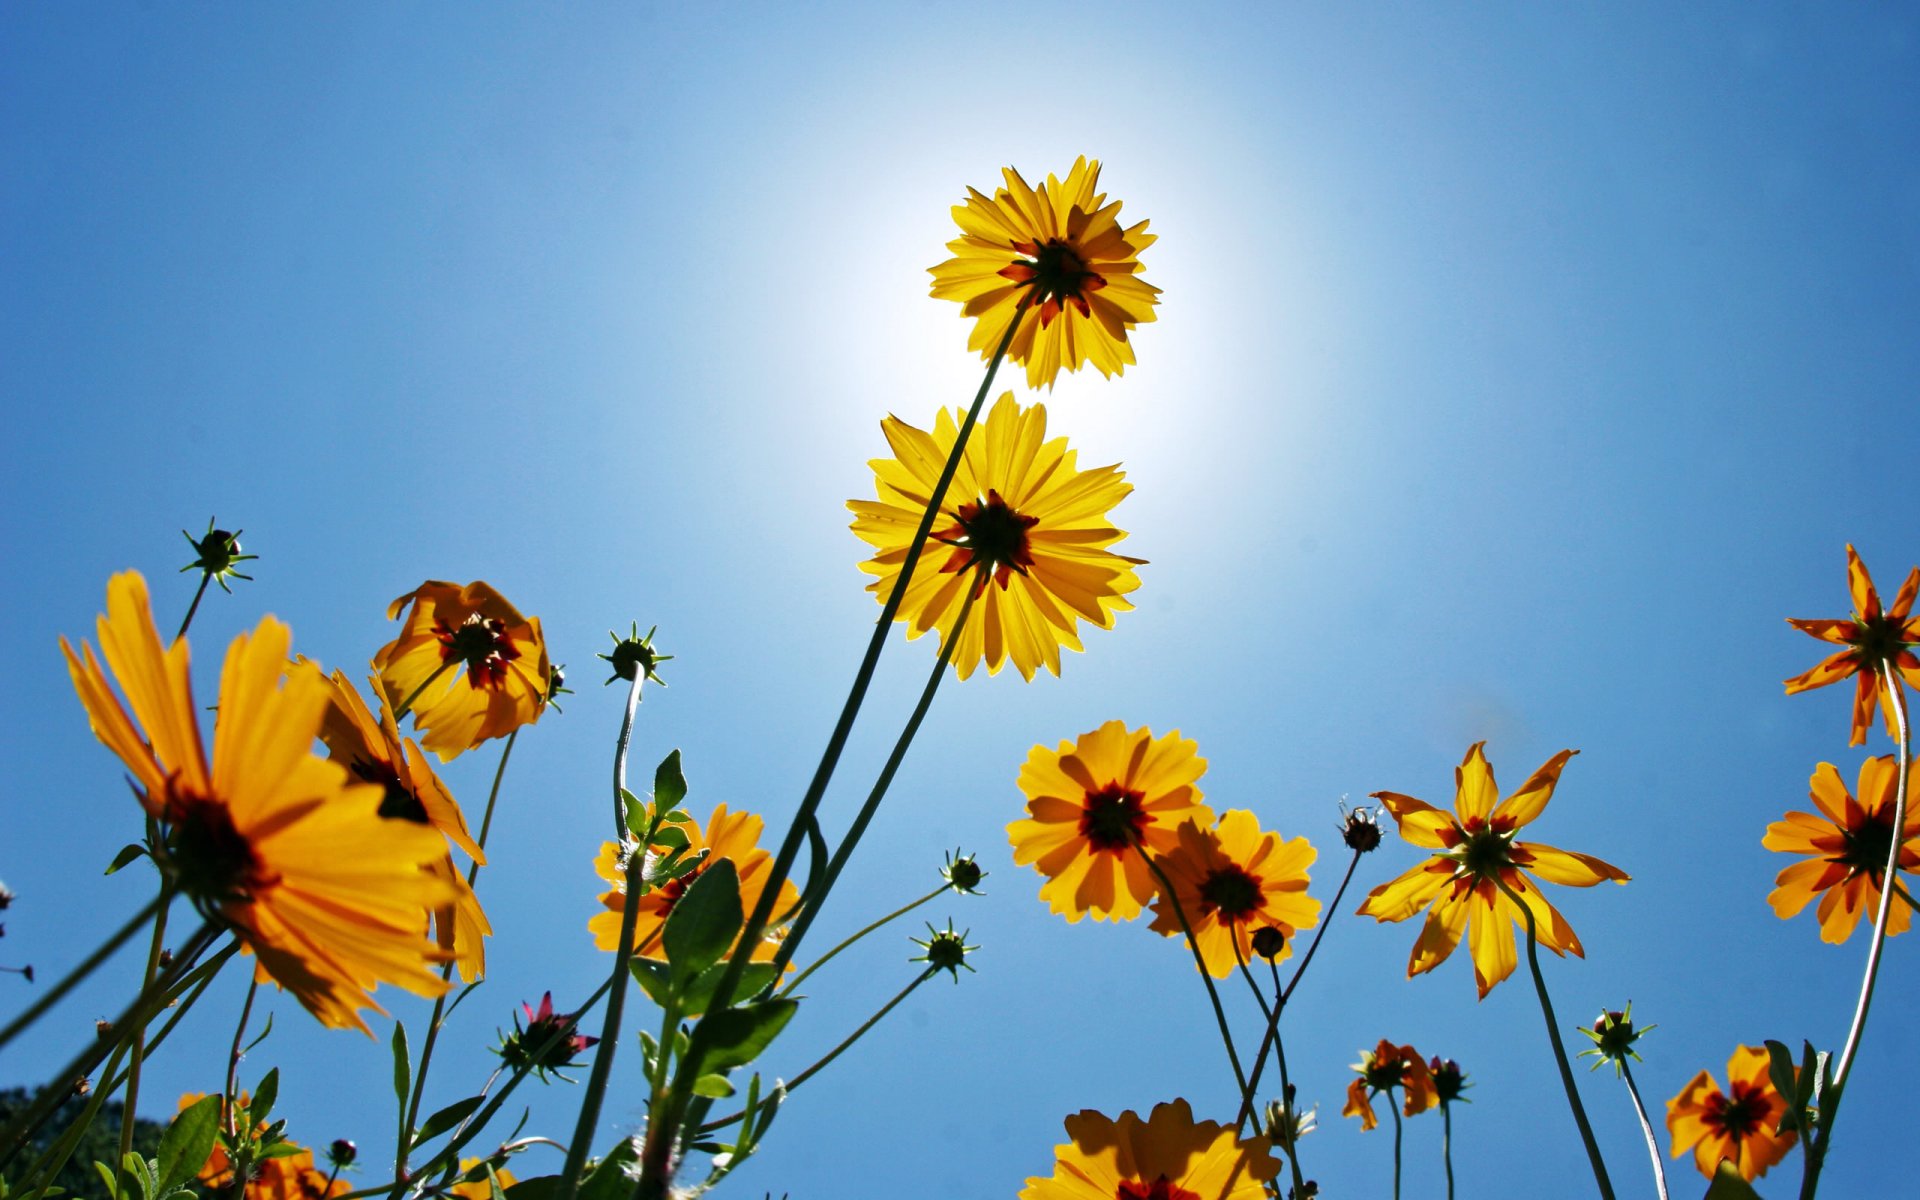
<point x="101" y="1142"/>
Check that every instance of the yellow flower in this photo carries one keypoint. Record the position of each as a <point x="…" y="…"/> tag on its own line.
<point x="1874" y="640"/>
<point x="1382" y="1069"/>
<point x="270" y="836"/>
<point x="1847" y="847"/>
<point x="1094" y="806"/>
<point x="477" y="1189"/>
<point x="729" y="835"/>
<point x="374" y="752"/>
<point x="1475" y="853"/>
<point x="473" y="667"/>
<point x="1026" y="531"/>
<point x="1738" y="1127"/>
<point x="1168" y="1156"/>
<point x="1234" y="879"/>
<point x="1060" y="250"/>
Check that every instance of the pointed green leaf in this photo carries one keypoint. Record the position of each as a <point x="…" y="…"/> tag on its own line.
<point x="1727" y="1185"/>
<point x="264" y="1096"/>
<point x="107" y="1176"/>
<point x="669" y="785"/>
<point x="714" y="1087"/>
<point x="735" y="1036"/>
<point x="704" y="921"/>
<point x="1780" y="1071"/>
<point x="493" y="1185"/>
<point x="699" y="990"/>
<point x="445" y="1119"/>
<point x="543" y="1187"/>
<point x="637" y="820"/>
<point x="608" y="1179"/>
<point x="135" y="1171"/>
<point x="188" y="1141"/>
<point x="670" y="836"/>
<point x="654" y="979"/>
<point x="128" y="853"/>
<point x="264" y="1031"/>
<point x="402" y="1064"/>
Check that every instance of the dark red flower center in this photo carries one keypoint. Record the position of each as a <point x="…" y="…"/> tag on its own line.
<point x="398" y="803"/>
<point x="481" y="644"/>
<point x="1738" y="1116"/>
<point x="989" y="537"/>
<point x="1058" y="275"/>
<point x="1878" y="638"/>
<point x="1112" y="818"/>
<point x="1160" y="1189"/>
<point x="1230" y="893"/>
<point x="1865" y="847"/>
<point x="211" y="858"/>
<point x="671" y="891"/>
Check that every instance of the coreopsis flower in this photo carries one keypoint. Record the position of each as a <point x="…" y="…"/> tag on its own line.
<point x="1022" y="528"/>
<point x="1876" y="640"/>
<point x="1059" y="250"/>
<point x="1168" y="1156"/>
<point x="288" y="1174"/>
<point x="729" y="835"/>
<point x="473" y="1179"/>
<point x="1847" y="846"/>
<point x="1232" y="881"/>
<point x="276" y="841"/>
<point x="534" y="1044"/>
<point x="1474" y="852"/>
<point x="1095" y="805"/>
<point x="1449" y="1081"/>
<point x="1736" y="1125"/>
<point x="1382" y="1069"/>
<point x="374" y="752"/>
<point x="467" y="665"/>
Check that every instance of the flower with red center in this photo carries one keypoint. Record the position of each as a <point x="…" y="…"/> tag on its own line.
<point x="1736" y="1125"/>
<point x="1168" y="1156"/>
<point x="729" y="835"/>
<point x="1847" y="847"/>
<point x="1026" y="532"/>
<point x="1877" y="641"/>
<point x="467" y="665"/>
<point x="1056" y="258"/>
<point x="1382" y="1069"/>
<point x="528" y="1046"/>
<point x="276" y="841"/>
<point x="1475" y="852"/>
<point x="1095" y="805"/>
<point x="1232" y="881"/>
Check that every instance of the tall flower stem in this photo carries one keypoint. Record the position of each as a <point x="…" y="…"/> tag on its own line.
<point x="1286" y="1085"/>
<point x="1646" y="1128"/>
<point x="654" y="1174"/>
<point x="1394" y="1108"/>
<point x="1206" y="977"/>
<point x="1446" y="1148"/>
<point x="1559" y="1049"/>
<point x="233" y="1056"/>
<point x="583" y="1128"/>
<point x="130" y="1102"/>
<point x="850" y="939"/>
<point x="206" y="577"/>
<point x="620" y="745"/>
<point x="54" y="994"/>
<point x="820" y="888"/>
<point x="1816" y="1146"/>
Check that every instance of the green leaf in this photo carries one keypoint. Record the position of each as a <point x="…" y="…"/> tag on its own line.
<point x="713" y="1086"/>
<point x="637" y="820"/>
<point x="445" y="1119"/>
<point x="704" y="921"/>
<point x="608" y="1179"/>
<point x="493" y="1185"/>
<point x="654" y="979"/>
<point x="264" y="1031"/>
<point x="734" y="1036"/>
<point x="264" y="1096"/>
<point x="1727" y="1185"/>
<point x="669" y="785"/>
<point x="670" y="836"/>
<point x="402" y="1064"/>
<point x="106" y="1173"/>
<point x="542" y="1187"/>
<point x="1780" y="1071"/>
<point x="695" y="996"/>
<point x="128" y="853"/>
<point x="188" y="1141"/>
<point x="282" y="1149"/>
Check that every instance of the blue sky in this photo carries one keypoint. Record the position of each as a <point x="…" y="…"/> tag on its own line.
<point x="1517" y="371"/>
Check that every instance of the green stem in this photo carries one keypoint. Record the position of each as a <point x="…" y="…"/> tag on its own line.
<point x="54" y="994"/>
<point x="232" y="1093"/>
<point x="1446" y="1148"/>
<point x="1286" y="1086"/>
<point x="826" y="958"/>
<point x="620" y="756"/>
<point x="582" y="1142"/>
<point x="130" y="1103"/>
<point x="1646" y="1128"/>
<point x="1559" y="1050"/>
<point x="821" y="888"/>
<point x="1321" y="932"/>
<point x="1394" y="1109"/>
<point x="206" y="577"/>
<point x="1206" y="977"/>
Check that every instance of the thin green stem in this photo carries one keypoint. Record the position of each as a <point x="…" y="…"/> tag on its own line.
<point x="1332" y="910"/>
<point x="130" y="1102"/>
<point x="92" y="962"/>
<point x="850" y="939"/>
<point x="1646" y="1129"/>
<point x="1206" y="977"/>
<point x="1446" y="1148"/>
<point x="820" y="888"/>
<point x="1394" y="1109"/>
<point x="1286" y="1086"/>
<point x="620" y="755"/>
<point x="233" y="1057"/>
<point x="206" y="577"/>
<point x="1559" y="1050"/>
<point x="582" y="1142"/>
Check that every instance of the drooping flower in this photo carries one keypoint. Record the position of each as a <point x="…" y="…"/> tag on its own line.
<point x="1382" y="1069"/>
<point x="1475" y="852"/>
<point x="1232" y="881"/>
<point x="374" y="752"/>
<point x="472" y="667"/>
<point x="1168" y="1156"/>
<point x="1022" y="527"/>
<point x="275" y="840"/>
<point x="539" y="1045"/>
<point x="1875" y="640"/>
<point x="1060" y="250"/>
<point x="1847" y="846"/>
<point x="1736" y="1125"/>
<point x="729" y="835"/>
<point x="1094" y="805"/>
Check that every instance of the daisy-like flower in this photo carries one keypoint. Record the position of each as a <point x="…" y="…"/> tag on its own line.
<point x="1875" y="639"/>
<point x="1847" y="846"/>
<point x="1475" y="852"/>
<point x="374" y="752"/>
<point x="1024" y="529"/>
<point x="729" y="835"/>
<point x="1059" y="249"/>
<point x="467" y="665"/>
<point x="528" y="1045"/>
<point x="1382" y="1069"/>
<point x="473" y="1180"/>
<point x="1094" y="805"/>
<point x="275" y="840"/>
<point x="1232" y="881"/>
<point x="1737" y="1127"/>
<point x="1168" y="1156"/>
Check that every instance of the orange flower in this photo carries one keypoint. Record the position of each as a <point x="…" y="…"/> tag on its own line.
<point x="1475" y="852"/>
<point x="1168" y="1156"/>
<point x="1737" y="1128"/>
<point x="1875" y="641"/>
<point x="1382" y="1069"/>
<point x="287" y="1177"/>
<point x="478" y="1189"/>
<point x="471" y="665"/>
<point x="1232" y="880"/>
<point x="1847" y="847"/>
<point x="1094" y="806"/>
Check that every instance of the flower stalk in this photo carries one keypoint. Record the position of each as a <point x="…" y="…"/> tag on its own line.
<point x="1199" y="961"/>
<point x="1646" y="1128"/>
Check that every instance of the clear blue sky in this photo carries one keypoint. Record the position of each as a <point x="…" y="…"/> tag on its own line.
<point x="1518" y="370"/>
